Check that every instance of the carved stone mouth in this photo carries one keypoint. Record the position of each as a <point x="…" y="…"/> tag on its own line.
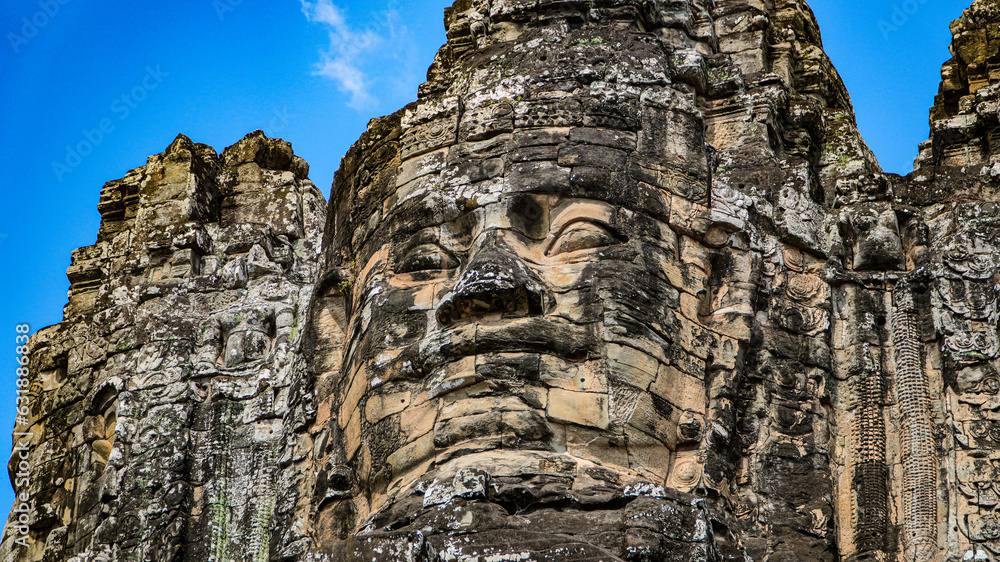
<point x="534" y="334"/>
<point x="509" y="303"/>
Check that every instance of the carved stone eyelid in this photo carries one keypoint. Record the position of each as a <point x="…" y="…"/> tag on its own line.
<point x="449" y="257"/>
<point x="611" y="231"/>
<point x="417" y="239"/>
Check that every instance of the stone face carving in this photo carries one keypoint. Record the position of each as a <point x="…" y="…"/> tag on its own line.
<point x="623" y="284"/>
<point x="508" y="328"/>
<point x="159" y="396"/>
<point x="546" y="275"/>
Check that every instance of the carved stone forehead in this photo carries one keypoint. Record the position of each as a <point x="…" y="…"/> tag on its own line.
<point x="525" y="99"/>
<point x="638" y="169"/>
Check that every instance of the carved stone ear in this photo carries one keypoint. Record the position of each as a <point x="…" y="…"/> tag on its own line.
<point x="916" y="241"/>
<point x="209" y="347"/>
<point x="102" y="419"/>
<point x="328" y="322"/>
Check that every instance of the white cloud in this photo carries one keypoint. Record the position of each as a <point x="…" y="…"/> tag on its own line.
<point x="352" y="50"/>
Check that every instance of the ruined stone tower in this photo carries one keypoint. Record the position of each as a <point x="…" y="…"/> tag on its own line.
<point x="624" y="283"/>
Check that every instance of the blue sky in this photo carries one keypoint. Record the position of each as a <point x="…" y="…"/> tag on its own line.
<point x="90" y="89"/>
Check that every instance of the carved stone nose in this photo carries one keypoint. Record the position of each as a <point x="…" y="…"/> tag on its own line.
<point x="495" y="282"/>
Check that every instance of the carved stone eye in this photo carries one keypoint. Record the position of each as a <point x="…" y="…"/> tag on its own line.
<point x="427" y="257"/>
<point x="582" y="235"/>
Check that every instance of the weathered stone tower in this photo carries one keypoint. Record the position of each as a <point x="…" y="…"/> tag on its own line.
<point x="623" y="284"/>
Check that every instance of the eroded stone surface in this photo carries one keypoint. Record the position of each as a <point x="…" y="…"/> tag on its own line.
<point x="160" y="398"/>
<point x="623" y="284"/>
<point x="556" y="271"/>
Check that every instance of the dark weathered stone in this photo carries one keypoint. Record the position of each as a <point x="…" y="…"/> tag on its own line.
<point x="162" y="390"/>
<point x="624" y="284"/>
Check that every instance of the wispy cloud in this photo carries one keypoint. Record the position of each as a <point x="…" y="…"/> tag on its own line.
<point x="352" y="50"/>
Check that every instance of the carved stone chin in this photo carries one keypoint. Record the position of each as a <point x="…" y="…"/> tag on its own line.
<point x="623" y="284"/>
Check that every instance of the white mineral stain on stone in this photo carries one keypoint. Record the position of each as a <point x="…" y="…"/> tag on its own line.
<point x="646" y="489"/>
<point x="467" y="519"/>
<point x="700" y="529"/>
<point x="512" y="557"/>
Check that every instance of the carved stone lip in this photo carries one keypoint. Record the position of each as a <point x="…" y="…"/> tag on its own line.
<point x="516" y="301"/>
<point x="550" y="336"/>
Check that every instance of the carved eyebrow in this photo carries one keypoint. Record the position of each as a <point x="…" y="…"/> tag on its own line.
<point x="567" y="214"/>
<point x="593" y="220"/>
